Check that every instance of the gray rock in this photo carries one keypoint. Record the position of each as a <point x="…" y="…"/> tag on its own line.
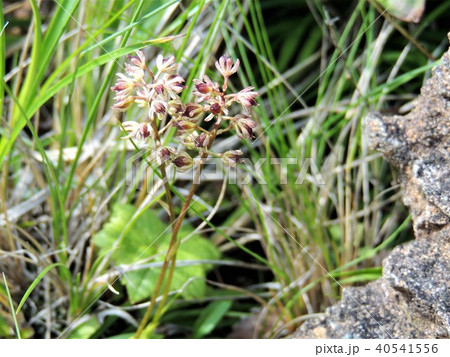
<point x="411" y="300"/>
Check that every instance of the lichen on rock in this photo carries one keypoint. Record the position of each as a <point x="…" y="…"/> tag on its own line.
<point x="412" y="298"/>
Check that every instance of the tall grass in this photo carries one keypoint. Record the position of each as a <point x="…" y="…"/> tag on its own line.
<point x="286" y="249"/>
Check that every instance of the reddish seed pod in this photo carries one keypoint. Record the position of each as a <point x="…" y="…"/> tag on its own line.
<point x="215" y="108"/>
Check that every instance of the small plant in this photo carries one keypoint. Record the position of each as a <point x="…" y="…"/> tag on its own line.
<point x="197" y="125"/>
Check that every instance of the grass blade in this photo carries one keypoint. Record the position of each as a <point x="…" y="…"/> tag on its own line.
<point x="11" y="305"/>
<point x="210" y="317"/>
<point x="35" y="282"/>
<point x="3" y="58"/>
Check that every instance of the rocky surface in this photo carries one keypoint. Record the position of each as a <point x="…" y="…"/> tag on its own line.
<point x="412" y="298"/>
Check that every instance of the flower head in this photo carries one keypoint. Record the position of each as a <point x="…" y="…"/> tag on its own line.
<point x="193" y="111"/>
<point x="166" y="65"/>
<point x="164" y="154"/>
<point x="159" y="94"/>
<point x="202" y="140"/>
<point x="124" y="85"/>
<point x="138" y="60"/>
<point x="183" y="161"/>
<point x="205" y="89"/>
<point x="184" y="126"/>
<point x="175" y="107"/>
<point x="244" y="126"/>
<point x="122" y="102"/>
<point x="139" y="131"/>
<point x="232" y="157"/>
<point x="246" y="97"/>
<point x="225" y="66"/>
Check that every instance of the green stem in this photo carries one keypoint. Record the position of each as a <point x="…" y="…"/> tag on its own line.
<point x="170" y="256"/>
<point x="162" y="168"/>
<point x="172" y="250"/>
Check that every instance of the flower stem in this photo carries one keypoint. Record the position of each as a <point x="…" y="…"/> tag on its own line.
<point x="172" y="250"/>
<point x="162" y="168"/>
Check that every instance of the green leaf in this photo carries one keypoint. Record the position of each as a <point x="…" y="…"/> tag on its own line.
<point x="139" y="236"/>
<point x="11" y="306"/>
<point x="140" y="284"/>
<point x="122" y="336"/>
<point x="63" y="14"/>
<point x="405" y="10"/>
<point x="35" y="282"/>
<point x="210" y="317"/>
<point x="4" y="328"/>
<point x="129" y="335"/>
<point x="85" y="330"/>
<point x="146" y="236"/>
<point x="2" y="59"/>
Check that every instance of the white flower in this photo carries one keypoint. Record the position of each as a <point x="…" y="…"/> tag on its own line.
<point x="225" y="66"/>
<point x="137" y="130"/>
<point x="166" y="65"/>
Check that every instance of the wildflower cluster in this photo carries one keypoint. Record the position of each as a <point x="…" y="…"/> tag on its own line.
<point x="159" y="93"/>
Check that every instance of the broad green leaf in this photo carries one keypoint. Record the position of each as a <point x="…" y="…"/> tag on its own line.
<point x="138" y="238"/>
<point x="210" y="317"/>
<point x="122" y="336"/>
<point x="140" y="284"/>
<point x="148" y="236"/>
<point x="405" y="10"/>
<point x="85" y="330"/>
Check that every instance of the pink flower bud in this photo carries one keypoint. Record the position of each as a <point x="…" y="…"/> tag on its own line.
<point x="225" y="66"/>
<point x="159" y="88"/>
<point x="205" y="88"/>
<point x="166" y="65"/>
<point x="124" y="85"/>
<point x="158" y="106"/>
<point x="139" y="131"/>
<point x="202" y="88"/>
<point x="138" y="60"/>
<point x="175" y="83"/>
<point x="247" y="97"/>
<point x="144" y="131"/>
